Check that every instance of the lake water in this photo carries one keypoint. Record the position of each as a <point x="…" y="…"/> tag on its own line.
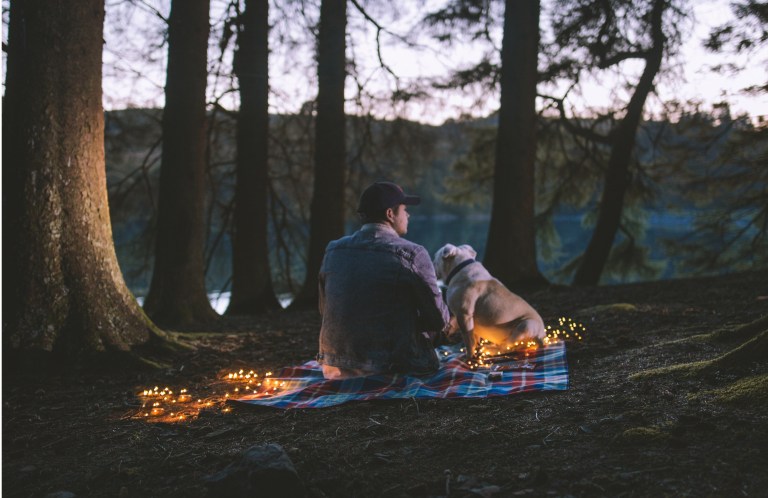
<point x="220" y="300"/>
<point x="433" y="232"/>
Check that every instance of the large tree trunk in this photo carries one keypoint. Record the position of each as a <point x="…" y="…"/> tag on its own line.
<point x="617" y="177"/>
<point x="327" y="208"/>
<point x="511" y="249"/>
<point x="252" y="290"/>
<point x="177" y="297"/>
<point x="63" y="290"/>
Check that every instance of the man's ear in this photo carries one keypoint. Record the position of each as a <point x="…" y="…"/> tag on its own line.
<point x="390" y="213"/>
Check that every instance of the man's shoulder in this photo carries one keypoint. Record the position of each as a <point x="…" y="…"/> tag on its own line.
<point x="347" y="239"/>
<point x="411" y="250"/>
<point x="413" y="246"/>
<point x="349" y="242"/>
<point x="363" y="240"/>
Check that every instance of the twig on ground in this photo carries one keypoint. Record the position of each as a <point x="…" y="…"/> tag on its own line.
<point x="550" y="434"/>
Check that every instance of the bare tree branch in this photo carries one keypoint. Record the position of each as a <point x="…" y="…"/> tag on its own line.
<point x="605" y="63"/>
<point x="379" y="29"/>
<point x="573" y="128"/>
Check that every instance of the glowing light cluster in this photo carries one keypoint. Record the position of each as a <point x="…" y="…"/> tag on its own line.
<point x="566" y="328"/>
<point x="253" y="385"/>
<point x="487" y="353"/>
<point x="167" y="405"/>
<point x="243" y="375"/>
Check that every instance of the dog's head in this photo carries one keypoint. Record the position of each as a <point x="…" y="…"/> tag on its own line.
<point x="448" y="256"/>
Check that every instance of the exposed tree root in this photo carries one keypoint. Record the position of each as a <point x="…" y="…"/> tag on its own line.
<point x="741" y="332"/>
<point x="155" y="353"/>
<point x="728" y="334"/>
<point x="604" y="308"/>
<point x="755" y="349"/>
<point x="643" y="435"/>
<point x="167" y="342"/>
<point x="750" y="390"/>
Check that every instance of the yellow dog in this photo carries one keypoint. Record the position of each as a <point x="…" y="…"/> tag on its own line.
<point x="483" y="306"/>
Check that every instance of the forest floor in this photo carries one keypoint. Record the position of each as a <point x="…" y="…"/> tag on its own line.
<point x="607" y="435"/>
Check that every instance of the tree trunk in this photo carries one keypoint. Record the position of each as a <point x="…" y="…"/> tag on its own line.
<point x="177" y="297"/>
<point x="64" y="292"/>
<point x="252" y="290"/>
<point x="511" y="249"/>
<point x="327" y="207"/>
<point x="618" y="177"/>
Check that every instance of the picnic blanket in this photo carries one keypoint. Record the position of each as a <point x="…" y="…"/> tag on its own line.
<point x="303" y="386"/>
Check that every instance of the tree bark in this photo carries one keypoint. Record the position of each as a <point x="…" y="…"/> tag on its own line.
<point x="618" y="177"/>
<point x="252" y="290"/>
<point x="511" y="249"/>
<point x="64" y="292"/>
<point x="327" y="207"/>
<point x="177" y="296"/>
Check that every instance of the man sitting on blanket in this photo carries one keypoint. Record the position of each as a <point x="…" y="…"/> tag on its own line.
<point x="378" y="294"/>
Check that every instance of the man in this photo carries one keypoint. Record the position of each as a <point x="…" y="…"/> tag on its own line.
<point x="378" y="294"/>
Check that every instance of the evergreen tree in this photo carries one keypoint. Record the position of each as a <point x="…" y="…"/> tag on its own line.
<point x="326" y="219"/>
<point x="64" y="292"/>
<point x="177" y="295"/>
<point x="252" y="290"/>
<point x="511" y="250"/>
<point x="591" y="35"/>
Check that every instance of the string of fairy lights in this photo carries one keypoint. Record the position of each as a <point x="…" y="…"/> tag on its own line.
<point x="166" y="405"/>
<point x="488" y="353"/>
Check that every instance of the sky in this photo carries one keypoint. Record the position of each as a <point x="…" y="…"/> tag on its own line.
<point x="692" y="76"/>
<point x="134" y="70"/>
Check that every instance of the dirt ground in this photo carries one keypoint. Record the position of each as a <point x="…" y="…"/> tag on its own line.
<point x="607" y="435"/>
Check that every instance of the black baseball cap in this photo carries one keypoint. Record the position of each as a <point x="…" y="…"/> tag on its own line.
<point x="384" y="195"/>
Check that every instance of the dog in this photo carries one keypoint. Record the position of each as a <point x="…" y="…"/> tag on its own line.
<point x="482" y="306"/>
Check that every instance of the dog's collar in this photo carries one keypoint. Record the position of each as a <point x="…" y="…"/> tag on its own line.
<point x="456" y="270"/>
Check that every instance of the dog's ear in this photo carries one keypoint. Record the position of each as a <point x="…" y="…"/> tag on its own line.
<point x="469" y="249"/>
<point x="442" y="255"/>
<point x="449" y="251"/>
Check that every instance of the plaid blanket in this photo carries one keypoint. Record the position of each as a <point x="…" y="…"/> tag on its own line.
<point x="303" y="386"/>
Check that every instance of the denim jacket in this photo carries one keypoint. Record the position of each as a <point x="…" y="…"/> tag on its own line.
<point x="378" y="293"/>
